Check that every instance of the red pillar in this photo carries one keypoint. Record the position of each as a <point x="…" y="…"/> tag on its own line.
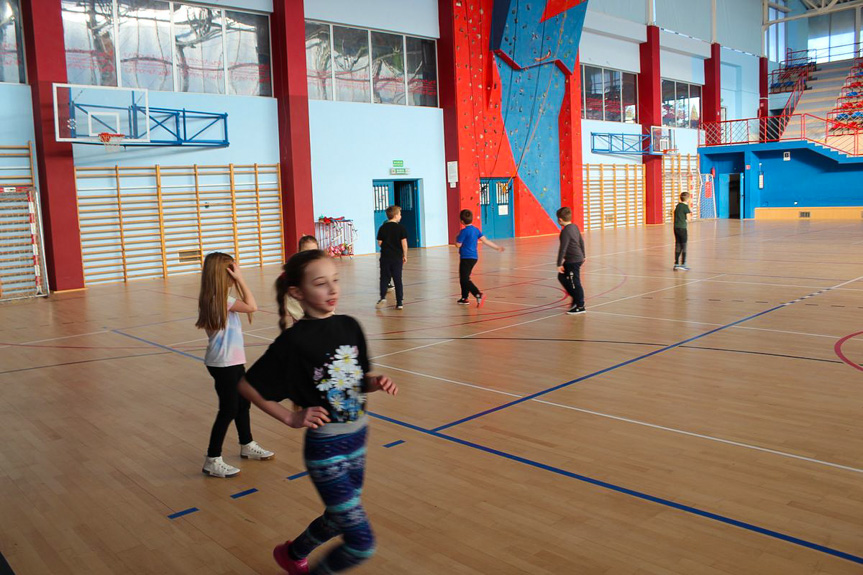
<point x="571" y="159"/>
<point x="712" y="95"/>
<point x="650" y="110"/>
<point x="763" y="88"/>
<point x="46" y="65"/>
<point x="290" y="89"/>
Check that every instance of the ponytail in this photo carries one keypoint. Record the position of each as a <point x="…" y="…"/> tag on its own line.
<point x="292" y="276"/>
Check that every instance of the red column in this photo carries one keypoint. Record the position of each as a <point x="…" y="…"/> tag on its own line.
<point x="571" y="159"/>
<point x="650" y="110"/>
<point x="287" y="27"/>
<point x="46" y="65"/>
<point x="763" y="88"/>
<point x="712" y="94"/>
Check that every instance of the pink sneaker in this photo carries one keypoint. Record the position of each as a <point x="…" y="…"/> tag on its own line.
<point x="283" y="558"/>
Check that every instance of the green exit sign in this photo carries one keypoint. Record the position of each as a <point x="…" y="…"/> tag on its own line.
<point x="398" y="163"/>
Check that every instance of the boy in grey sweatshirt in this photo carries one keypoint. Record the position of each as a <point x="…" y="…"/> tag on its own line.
<point x="570" y="257"/>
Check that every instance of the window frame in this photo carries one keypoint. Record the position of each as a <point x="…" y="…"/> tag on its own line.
<point x="602" y="73"/>
<point x="22" y="63"/>
<point x="688" y="121"/>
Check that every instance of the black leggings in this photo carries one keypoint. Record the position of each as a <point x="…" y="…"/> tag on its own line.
<point x="681" y="236"/>
<point x="232" y="407"/>
<point x="571" y="282"/>
<point x="391" y="269"/>
<point x="465" y="266"/>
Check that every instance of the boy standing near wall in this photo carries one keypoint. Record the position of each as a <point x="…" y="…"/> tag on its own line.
<point x="570" y="257"/>
<point x="681" y="233"/>
<point x="393" y="240"/>
<point x="467" y="241"/>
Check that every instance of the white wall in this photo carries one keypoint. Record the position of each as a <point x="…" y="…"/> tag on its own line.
<point x="633" y="10"/>
<point x="740" y="91"/>
<point x="417" y="17"/>
<point x="16" y="115"/>
<point x="600" y="50"/>
<point x="597" y="126"/>
<point x="353" y="144"/>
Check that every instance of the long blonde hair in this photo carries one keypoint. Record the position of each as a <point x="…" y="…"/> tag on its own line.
<point x="216" y="282"/>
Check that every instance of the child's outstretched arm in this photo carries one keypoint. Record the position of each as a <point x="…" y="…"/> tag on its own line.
<point x="380" y="383"/>
<point x="491" y="244"/>
<point x="313" y="417"/>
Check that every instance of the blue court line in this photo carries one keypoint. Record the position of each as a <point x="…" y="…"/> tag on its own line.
<point x="244" y="493"/>
<point x="183" y="512"/>
<point x="394" y="443"/>
<point x="297" y="475"/>
<point x="633" y="493"/>
<point x="602" y="371"/>
<point x="171" y="349"/>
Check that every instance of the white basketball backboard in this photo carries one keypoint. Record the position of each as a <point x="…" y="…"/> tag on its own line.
<point x="82" y="113"/>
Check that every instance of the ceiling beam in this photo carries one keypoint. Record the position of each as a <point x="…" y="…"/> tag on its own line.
<point x="834" y="6"/>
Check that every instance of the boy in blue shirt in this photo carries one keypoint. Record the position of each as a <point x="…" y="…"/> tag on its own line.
<point x="467" y="241"/>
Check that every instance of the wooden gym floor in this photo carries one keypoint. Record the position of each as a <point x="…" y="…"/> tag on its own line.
<point x="690" y="423"/>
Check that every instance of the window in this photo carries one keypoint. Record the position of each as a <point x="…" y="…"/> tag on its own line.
<point x="145" y="44"/>
<point x="359" y="65"/>
<point x="11" y="44"/>
<point x="247" y="49"/>
<point x="609" y="95"/>
<point x="776" y="34"/>
<point x="388" y="68"/>
<point x="422" y="72"/>
<point x="199" y="49"/>
<point x="351" y="64"/>
<point x="681" y="104"/>
<point x="166" y="46"/>
<point x="319" y="71"/>
<point x="88" y="33"/>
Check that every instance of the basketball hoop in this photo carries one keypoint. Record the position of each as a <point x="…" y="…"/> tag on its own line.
<point x="111" y="141"/>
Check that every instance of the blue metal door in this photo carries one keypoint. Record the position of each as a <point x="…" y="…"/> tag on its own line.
<point x="496" y="208"/>
<point x="385" y="196"/>
<point x="407" y="198"/>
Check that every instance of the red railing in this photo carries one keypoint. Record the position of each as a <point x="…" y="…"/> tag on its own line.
<point x="838" y="136"/>
<point x="786" y="78"/>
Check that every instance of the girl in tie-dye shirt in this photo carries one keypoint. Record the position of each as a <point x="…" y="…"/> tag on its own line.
<point x="219" y="315"/>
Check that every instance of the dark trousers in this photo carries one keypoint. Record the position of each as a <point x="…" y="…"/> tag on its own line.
<point x="681" y="236"/>
<point x="465" y="267"/>
<point x="391" y="268"/>
<point x="570" y="279"/>
<point x="232" y="407"/>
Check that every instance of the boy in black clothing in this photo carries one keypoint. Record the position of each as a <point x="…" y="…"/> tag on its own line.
<point x="570" y="257"/>
<point x="393" y="240"/>
<point x="681" y="234"/>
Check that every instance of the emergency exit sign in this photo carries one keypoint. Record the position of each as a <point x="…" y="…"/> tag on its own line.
<point x="399" y="168"/>
<point x="398" y="163"/>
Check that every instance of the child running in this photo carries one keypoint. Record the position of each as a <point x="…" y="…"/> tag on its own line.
<point x="570" y="258"/>
<point x="467" y="242"/>
<point x="321" y="364"/>
<point x="681" y="234"/>
<point x="291" y="306"/>
<point x="393" y="240"/>
<point x="219" y="314"/>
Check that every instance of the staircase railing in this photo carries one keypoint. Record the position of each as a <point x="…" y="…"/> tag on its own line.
<point x="838" y="136"/>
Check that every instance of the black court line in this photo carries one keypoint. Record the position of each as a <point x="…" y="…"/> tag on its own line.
<point x="80" y="362"/>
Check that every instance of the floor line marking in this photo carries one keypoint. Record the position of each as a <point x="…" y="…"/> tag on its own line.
<point x="54" y="338"/>
<point x="171" y="349"/>
<point x="631" y="492"/>
<point x="639" y="422"/>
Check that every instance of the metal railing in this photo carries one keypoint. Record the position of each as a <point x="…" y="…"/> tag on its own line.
<point x="839" y="136"/>
<point x="828" y="54"/>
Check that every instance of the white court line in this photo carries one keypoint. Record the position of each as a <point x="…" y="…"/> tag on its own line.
<point x="641" y="423"/>
<point x="536" y="319"/>
<point x="54" y="338"/>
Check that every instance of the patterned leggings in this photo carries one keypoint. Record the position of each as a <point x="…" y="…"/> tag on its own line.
<point x="336" y="464"/>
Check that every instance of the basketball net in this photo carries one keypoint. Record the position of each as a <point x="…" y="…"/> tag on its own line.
<point x="111" y="141"/>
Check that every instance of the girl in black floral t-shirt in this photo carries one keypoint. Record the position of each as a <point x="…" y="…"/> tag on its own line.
<point x="321" y="364"/>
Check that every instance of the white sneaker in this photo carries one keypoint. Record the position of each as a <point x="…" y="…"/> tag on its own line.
<point x="215" y="467"/>
<point x="254" y="451"/>
<point x="381" y="303"/>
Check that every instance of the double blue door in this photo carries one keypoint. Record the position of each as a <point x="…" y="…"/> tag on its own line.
<point x="496" y="208"/>
<point x="404" y="194"/>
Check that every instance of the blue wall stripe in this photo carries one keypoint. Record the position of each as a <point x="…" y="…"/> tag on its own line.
<point x="633" y="493"/>
<point x="244" y="493"/>
<point x="188" y="511"/>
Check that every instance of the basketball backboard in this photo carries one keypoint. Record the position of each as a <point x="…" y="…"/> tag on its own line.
<point x="662" y="140"/>
<point x="81" y="113"/>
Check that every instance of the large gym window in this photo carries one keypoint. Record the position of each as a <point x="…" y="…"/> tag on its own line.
<point x="609" y="95"/>
<point x="11" y="43"/>
<point x="349" y="64"/>
<point x="681" y="104"/>
<point x="167" y="46"/>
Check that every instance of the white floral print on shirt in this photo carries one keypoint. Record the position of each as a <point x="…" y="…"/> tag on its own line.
<point x="341" y="382"/>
